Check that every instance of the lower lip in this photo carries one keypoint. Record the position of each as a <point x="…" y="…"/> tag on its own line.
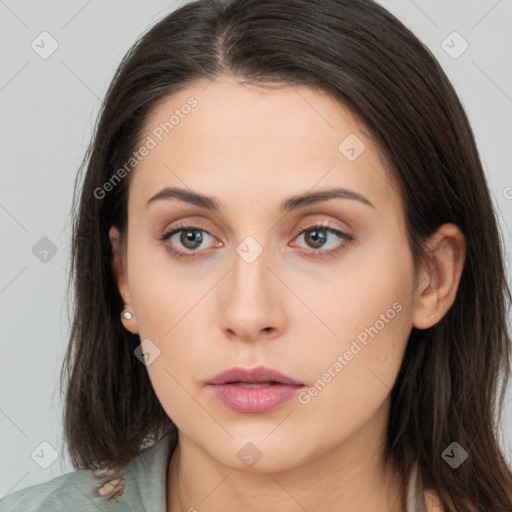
<point x="250" y="400"/>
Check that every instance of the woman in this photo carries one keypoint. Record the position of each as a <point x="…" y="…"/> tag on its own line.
<point x="289" y="283"/>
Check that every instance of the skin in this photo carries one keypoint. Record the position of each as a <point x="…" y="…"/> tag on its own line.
<point x="290" y="309"/>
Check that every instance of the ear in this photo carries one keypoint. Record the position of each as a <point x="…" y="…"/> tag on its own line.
<point x="119" y="269"/>
<point x="440" y="279"/>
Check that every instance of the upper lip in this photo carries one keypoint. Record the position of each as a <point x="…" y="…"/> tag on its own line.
<point x="253" y="375"/>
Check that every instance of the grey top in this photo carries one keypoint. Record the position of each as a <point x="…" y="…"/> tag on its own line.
<point x="144" y="489"/>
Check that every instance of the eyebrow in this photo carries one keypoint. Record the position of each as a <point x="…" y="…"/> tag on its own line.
<point x="292" y="203"/>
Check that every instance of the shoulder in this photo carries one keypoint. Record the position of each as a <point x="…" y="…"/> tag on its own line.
<point x="77" y="490"/>
<point x="143" y="484"/>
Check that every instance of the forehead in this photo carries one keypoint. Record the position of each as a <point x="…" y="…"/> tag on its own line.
<point x="309" y="112"/>
<point x="226" y="135"/>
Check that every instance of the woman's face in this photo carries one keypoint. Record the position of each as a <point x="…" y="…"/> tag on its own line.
<point x="331" y="307"/>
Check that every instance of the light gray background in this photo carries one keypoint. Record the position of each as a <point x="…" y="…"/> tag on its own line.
<point x="49" y="107"/>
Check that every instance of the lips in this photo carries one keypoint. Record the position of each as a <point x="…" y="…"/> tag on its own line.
<point x="255" y="390"/>
<point x="258" y="375"/>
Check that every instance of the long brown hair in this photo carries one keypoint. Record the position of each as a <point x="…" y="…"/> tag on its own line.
<point x="452" y="381"/>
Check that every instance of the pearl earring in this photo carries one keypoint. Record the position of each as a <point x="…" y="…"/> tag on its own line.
<point x="126" y="314"/>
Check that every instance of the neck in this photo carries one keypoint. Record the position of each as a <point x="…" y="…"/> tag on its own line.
<point x="349" y="478"/>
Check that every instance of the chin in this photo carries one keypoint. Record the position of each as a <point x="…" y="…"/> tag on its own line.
<point x="259" y="455"/>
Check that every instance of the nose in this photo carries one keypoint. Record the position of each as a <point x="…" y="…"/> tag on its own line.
<point x="252" y="301"/>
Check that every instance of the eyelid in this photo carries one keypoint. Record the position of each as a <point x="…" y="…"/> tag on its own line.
<point x="324" y="224"/>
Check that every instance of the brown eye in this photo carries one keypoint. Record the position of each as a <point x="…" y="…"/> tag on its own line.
<point x="188" y="243"/>
<point x="191" y="238"/>
<point x="315" y="237"/>
<point x="318" y="236"/>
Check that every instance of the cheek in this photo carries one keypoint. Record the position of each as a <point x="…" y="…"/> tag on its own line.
<point x="351" y="382"/>
<point x="370" y="300"/>
<point x="370" y="313"/>
<point x="163" y="292"/>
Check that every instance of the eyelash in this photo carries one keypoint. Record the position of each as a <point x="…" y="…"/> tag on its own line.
<point x="302" y="229"/>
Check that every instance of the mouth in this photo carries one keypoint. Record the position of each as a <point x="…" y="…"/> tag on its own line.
<point x="255" y="390"/>
<point x="253" y="384"/>
<point x="260" y="375"/>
